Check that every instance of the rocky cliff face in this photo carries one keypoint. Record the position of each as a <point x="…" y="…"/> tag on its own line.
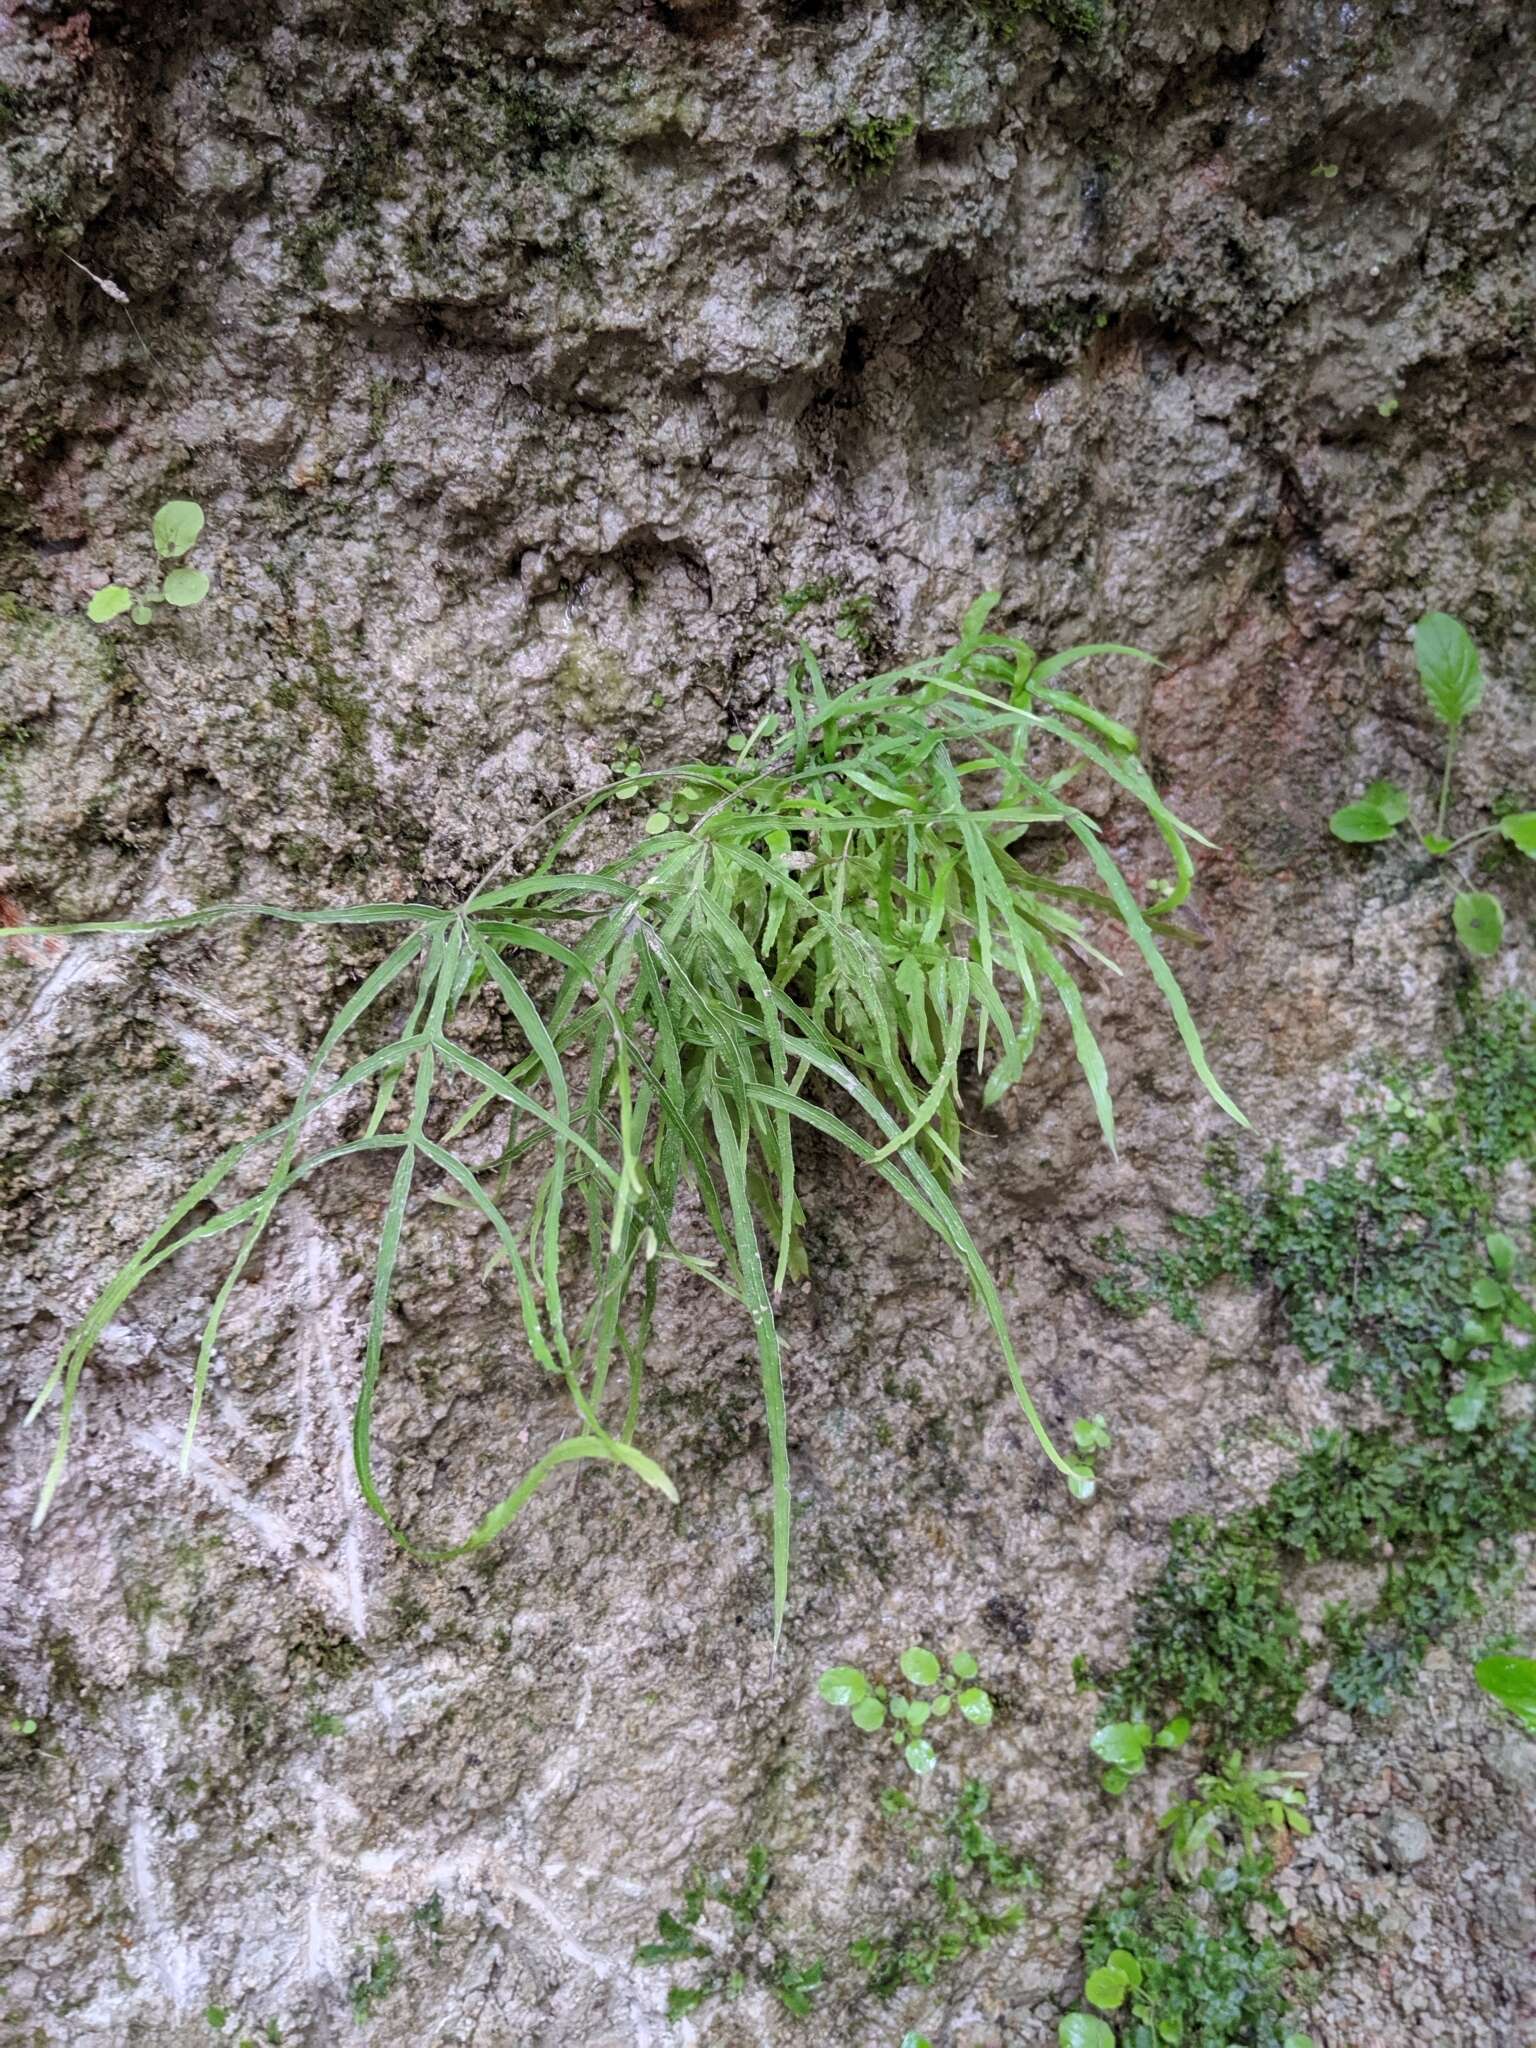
<point x="546" y="372"/>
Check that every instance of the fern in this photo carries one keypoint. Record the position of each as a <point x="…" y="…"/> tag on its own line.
<point x="813" y="935"/>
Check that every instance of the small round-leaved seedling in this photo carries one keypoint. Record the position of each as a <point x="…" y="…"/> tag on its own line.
<point x="909" y="1717"/>
<point x="175" y="529"/>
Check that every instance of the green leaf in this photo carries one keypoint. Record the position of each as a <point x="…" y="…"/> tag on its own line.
<point x="869" y="1714"/>
<point x="1122" y="1960"/>
<point x="1436" y="843"/>
<point x="1479" y="921"/>
<point x="1486" y="1292"/>
<point x="1106" y="1989"/>
<point x="941" y="1706"/>
<point x="1082" y="2030"/>
<point x="1387" y="798"/>
<point x="1512" y="1682"/>
<point x="915" y="2041"/>
<point x="1501" y="1253"/>
<point x="1175" y="1734"/>
<point x="918" y="1713"/>
<point x="919" y="1667"/>
<point x="177" y="525"/>
<point x="963" y="1664"/>
<point x="920" y="1756"/>
<point x="108" y="603"/>
<point x="976" y="1706"/>
<point x="1122" y="1743"/>
<point x="657" y="823"/>
<point x="1361" y="824"/>
<point x="142" y="614"/>
<point x="1519" y="828"/>
<point x="184" y="587"/>
<point x="682" y="1999"/>
<point x="1091" y="1433"/>
<point x="1297" y="2041"/>
<point x="1448" y="666"/>
<point x="1081" y="1484"/>
<point x="842" y="1686"/>
<point x="1464" y="1411"/>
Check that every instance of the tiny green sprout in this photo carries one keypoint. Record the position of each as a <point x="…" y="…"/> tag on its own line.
<point x="175" y="529"/>
<point x="1123" y="1746"/>
<point x="1325" y="170"/>
<point x="1091" y="1433"/>
<point x="1388" y="406"/>
<point x="1451" y="674"/>
<point x="1512" y="1682"/>
<point x="915" y="2041"/>
<point x="24" y="1726"/>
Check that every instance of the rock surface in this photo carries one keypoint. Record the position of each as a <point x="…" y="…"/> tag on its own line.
<point x="545" y="371"/>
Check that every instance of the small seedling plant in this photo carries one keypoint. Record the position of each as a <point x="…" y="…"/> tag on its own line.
<point x="911" y="1718"/>
<point x="1236" y="1800"/>
<point x="175" y="529"/>
<point x="1451" y="673"/>
<point x="816" y="935"/>
<point x="1512" y="1682"/>
<point x="1122" y="1748"/>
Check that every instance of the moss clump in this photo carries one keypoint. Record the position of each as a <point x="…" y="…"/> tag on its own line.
<point x="1385" y="1271"/>
<point x="869" y="149"/>
<point x="1071" y="17"/>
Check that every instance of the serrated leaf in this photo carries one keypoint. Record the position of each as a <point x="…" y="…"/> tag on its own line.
<point x="1448" y="666"/>
<point x="919" y="1667"/>
<point x="109" y="603"/>
<point x="842" y="1686"/>
<point x="1519" y="828"/>
<point x="177" y="525"/>
<point x="1361" y="824"/>
<point x="184" y="587"/>
<point x="1479" y="921"/>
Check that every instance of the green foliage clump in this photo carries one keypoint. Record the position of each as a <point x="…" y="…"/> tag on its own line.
<point x="175" y="530"/>
<point x="1452" y="676"/>
<point x="1237" y="1799"/>
<point x="1512" y="1682"/>
<point x="374" y="1979"/>
<point x="1187" y="1968"/>
<point x="870" y="148"/>
<point x="1386" y="1271"/>
<point x="964" y="1915"/>
<point x="735" y="1955"/>
<point x="1071" y="17"/>
<point x="822" y="933"/>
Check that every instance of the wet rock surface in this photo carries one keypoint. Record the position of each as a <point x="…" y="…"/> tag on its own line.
<point x="546" y="372"/>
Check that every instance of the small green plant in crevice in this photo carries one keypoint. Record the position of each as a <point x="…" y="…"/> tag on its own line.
<point x="910" y="1718"/>
<point x="736" y="1949"/>
<point x="1451" y="673"/>
<point x="1090" y="1435"/>
<point x="1236" y="1798"/>
<point x="175" y="529"/>
<point x="1512" y="1682"/>
<point x="1071" y="17"/>
<point x="817" y="934"/>
<point x="869" y="148"/>
<point x="968" y="1891"/>
<point x="374" y="1978"/>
